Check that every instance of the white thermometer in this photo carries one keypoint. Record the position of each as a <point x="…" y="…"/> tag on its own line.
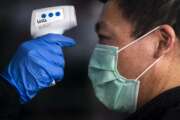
<point x="52" y="20"/>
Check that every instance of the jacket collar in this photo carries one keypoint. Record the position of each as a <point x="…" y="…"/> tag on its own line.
<point x="159" y="105"/>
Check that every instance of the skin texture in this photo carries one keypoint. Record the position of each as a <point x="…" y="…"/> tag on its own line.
<point x="114" y="29"/>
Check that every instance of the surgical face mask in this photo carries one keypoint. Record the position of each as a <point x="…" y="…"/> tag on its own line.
<point x="111" y="88"/>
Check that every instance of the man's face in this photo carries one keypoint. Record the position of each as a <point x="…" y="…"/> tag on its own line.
<point x="114" y="29"/>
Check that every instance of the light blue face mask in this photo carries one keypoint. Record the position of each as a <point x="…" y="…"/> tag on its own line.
<point x="111" y="88"/>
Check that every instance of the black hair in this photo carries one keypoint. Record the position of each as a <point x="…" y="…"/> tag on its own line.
<point x="148" y="14"/>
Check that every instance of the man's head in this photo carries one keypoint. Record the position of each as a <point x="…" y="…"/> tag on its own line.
<point x="123" y="21"/>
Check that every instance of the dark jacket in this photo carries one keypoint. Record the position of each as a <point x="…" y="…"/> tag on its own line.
<point x="9" y="101"/>
<point x="164" y="107"/>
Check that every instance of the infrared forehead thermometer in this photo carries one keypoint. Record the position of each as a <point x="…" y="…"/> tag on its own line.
<point x="55" y="20"/>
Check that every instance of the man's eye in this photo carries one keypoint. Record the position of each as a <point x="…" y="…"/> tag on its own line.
<point x="104" y="39"/>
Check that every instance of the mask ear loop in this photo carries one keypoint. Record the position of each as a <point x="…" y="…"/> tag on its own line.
<point x="140" y="38"/>
<point x="137" y="40"/>
<point x="147" y="69"/>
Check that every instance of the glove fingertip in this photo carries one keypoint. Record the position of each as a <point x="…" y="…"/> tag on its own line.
<point x="69" y="43"/>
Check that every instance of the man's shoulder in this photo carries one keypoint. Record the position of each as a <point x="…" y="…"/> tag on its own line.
<point x="164" y="107"/>
<point x="172" y="114"/>
<point x="164" y="114"/>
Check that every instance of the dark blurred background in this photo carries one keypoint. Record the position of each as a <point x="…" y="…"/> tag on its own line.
<point x="73" y="98"/>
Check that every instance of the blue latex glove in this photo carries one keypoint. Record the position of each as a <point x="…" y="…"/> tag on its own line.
<point x="37" y="64"/>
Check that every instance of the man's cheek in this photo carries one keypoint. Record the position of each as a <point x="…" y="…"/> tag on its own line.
<point x="125" y="66"/>
<point x="130" y="64"/>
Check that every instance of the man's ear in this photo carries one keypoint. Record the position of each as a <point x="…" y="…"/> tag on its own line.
<point x="166" y="41"/>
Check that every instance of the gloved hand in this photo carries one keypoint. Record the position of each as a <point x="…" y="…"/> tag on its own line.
<point x="37" y="64"/>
